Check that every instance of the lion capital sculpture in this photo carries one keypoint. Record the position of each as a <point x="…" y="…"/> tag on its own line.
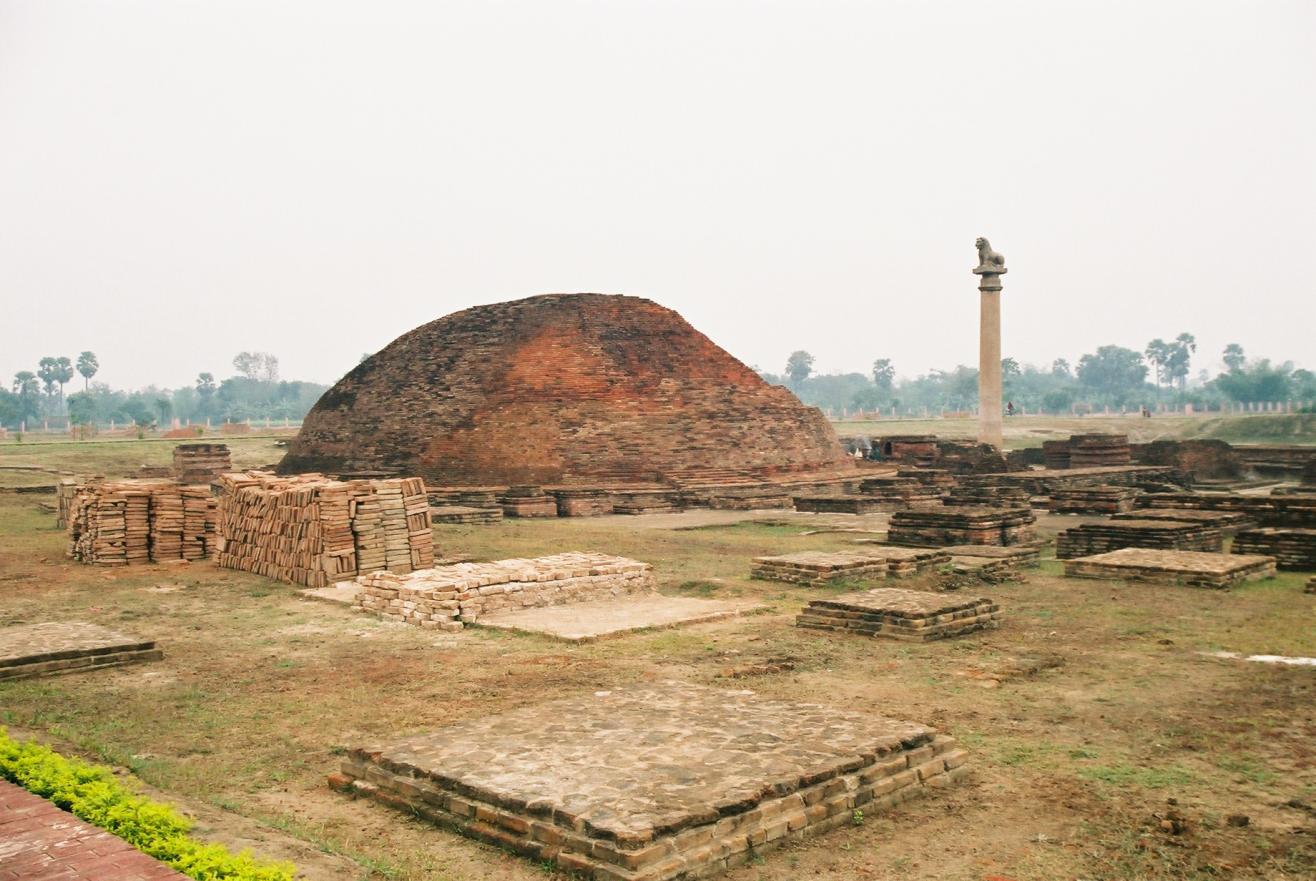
<point x="988" y="260"/>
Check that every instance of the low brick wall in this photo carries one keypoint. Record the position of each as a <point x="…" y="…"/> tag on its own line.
<point x="448" y="597"/>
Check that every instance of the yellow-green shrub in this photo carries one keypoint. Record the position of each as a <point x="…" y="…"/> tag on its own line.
<point x="93" y="793"/>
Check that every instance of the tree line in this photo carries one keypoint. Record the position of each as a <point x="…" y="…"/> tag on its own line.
<point x="1112" y="376"/>
<point x="255" y="391"/>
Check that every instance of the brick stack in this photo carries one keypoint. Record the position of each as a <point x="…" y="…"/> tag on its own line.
<point x="963" y="526"/>
<point x="910" y="615"/>
<point x="1291" y="548"/>
<point x="201" y="463"/>
<point x="312" y="530"/>
<point x="528" y="501"/>
<point x="124" y="522"/>
<point x="65" y="492"/>
<point x="1094" y="500"/>
<point x="449" y="596"/>
<point x="1193" y="568"/>
<point x="1055" y="454"/>
<point x="1099" y="450"/>
<point x="1111" y="535"/>
<point x="814" y="568"/>
<point x="987" y="497"/>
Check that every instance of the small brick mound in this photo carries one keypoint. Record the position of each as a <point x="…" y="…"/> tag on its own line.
<point x="988" y="559"/>
<point x="987" y="497"/>
<point x="1228" y="522"/>
<point x="654" y="782"/>
<point x="1099" y="450"/>
<point x="1292" y="548"/>
<point x="1094" y="500"/>
<point x="901" y="493"/>
<point x="912" y="615"/>
<point x="582" y="502"/>
<point x="528" y="501"/>
<point x="28" y="650"/>
<point x="449" y="596"/>
<point x="963" y="526"/>
<point x="1193" y="568"/>
<point x="1167" y="535"/>
<point x="40" y="842"/>
<point x="824" y="567"/>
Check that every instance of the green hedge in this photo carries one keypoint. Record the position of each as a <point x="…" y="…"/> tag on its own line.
<point x="94" y="794"/>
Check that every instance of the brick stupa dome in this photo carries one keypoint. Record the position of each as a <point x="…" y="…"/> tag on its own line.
<point x="559" y="389"/>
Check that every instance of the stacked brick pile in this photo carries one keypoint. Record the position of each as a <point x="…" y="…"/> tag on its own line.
<point x="122" y="522"/>
<point x="1194" y="568"/>
<point x="824" y="567"/>
<point x="1094" y="500"/>
<point x="1055" y="454"/>
<point x="65" y="492"/>
<point x="1166" y="535"/>
<point x="201" y="463"/>
<point x="528" y="501"/>
<point x="963" y="526"/>
<point x="1291" y="548"/>
<point x="449" y="596"/>
<point x="312" y="530"/>
<point x="911" y="615"/>
<point x="987" y="497"/>
<point x="1099" y="450"/>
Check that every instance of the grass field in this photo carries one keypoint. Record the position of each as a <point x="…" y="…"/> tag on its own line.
<point x="1030" y="431"/>
<point x="1088" y="710"/>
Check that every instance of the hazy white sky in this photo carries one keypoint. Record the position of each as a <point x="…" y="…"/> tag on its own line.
<point x="183" y="180"/>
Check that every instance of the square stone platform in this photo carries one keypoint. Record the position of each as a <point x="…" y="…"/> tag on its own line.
<point x="28" y="650"/>
<point x="1195" y="568"/>
<point x="599" y="619"/>
<point x="913" y="615"/>
<point x="654" y="782"/>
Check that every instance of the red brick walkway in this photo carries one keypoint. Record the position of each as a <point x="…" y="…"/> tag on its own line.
<point x="39" y="842"/>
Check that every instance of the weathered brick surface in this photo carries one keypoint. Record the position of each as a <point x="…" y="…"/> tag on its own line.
<point x="558" y="389"/>
<point x="40" y="842"/>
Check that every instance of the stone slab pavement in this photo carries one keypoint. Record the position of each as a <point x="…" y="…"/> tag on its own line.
<point x="40" y="842"/>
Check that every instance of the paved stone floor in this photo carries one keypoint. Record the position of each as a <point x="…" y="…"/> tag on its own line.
<point x="59" y="646"/>
<point x="584" y="622"/>
<point x="656" y="781"/>
<point x="39" y="842"/>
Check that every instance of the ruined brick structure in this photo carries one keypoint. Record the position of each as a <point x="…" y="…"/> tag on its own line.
<point x="560" y="389"/>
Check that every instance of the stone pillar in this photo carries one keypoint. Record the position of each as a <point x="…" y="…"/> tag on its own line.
<point x="991" y="266"/>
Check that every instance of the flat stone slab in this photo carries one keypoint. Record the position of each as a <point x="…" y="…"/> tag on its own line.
<point x="588" y="621"/>
<point x="64" y="646"/>
<point x="654" y="782"/>
<point x="915" y="615"/>
<point x="821" y="567"/>
<point x="1197" y="568"/>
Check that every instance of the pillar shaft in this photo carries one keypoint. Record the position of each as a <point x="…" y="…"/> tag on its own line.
<point x="989" y="363"/>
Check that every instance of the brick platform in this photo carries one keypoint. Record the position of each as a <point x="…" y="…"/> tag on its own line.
<point x="824" y="567"/>
<point x="1292" y="548"/>
<point x="963" y="526"/>
<point x="28" y="650"/>
<point x="1167" y="535"/>
<point x="911" y="615"/>
<point x="462" y="514"/>
<point x="40" y="842"/>
<point x="1289" y="512"/>
<point x="1192" y="568"/>
<point x="599" y="619"/>
<point x="657" y="782"/>
<point x="842" y="503"/>
<point x="1094" y="500"/>
<point x="1228" y="522"/>
<point x="448" y="596"/>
